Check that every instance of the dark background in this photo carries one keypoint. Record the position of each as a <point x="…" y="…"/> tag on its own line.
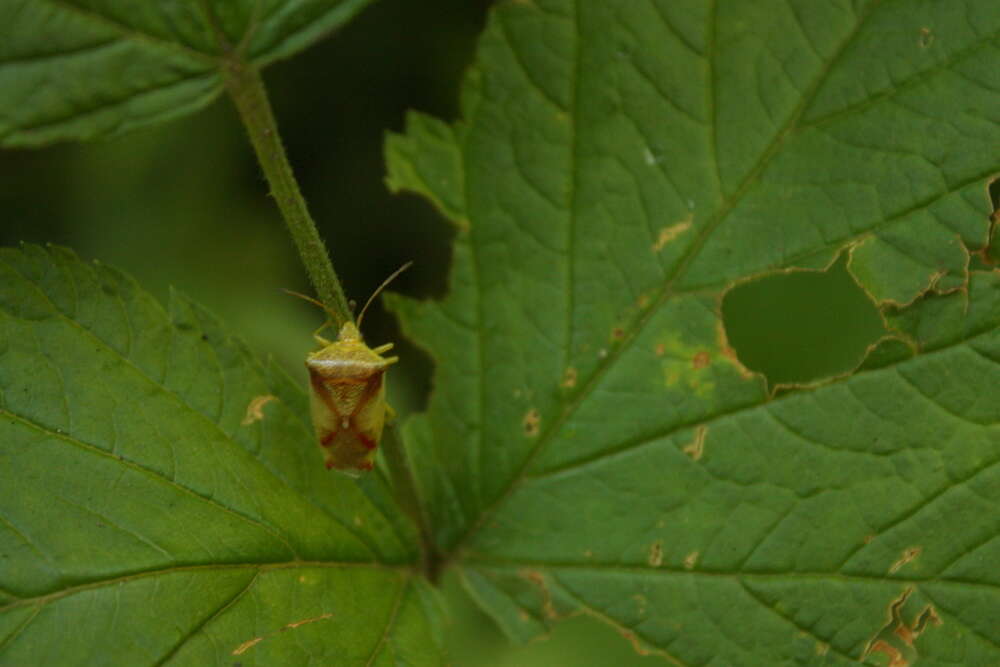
<point x="184" y="205"/>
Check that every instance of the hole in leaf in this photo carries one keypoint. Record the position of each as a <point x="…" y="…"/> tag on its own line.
<point x="801" y="326"/>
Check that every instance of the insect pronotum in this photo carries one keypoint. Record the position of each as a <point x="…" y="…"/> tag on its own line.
<point x="347" y="392"/>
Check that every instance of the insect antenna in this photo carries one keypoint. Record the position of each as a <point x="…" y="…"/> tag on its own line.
<point x="381" y="287"/>
<point x="322" y="305"/>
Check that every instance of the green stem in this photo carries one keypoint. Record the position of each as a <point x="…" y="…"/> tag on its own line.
<point x="246" y="88"/>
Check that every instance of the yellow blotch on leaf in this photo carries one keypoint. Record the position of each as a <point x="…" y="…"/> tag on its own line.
<point x="696" y="448"/>
<point x="909" y="555"/>
<point x="531" y="423"/>
<point x="655" y="554"/>
<point x="255" y="409"/>
<point x="671" y="232"/>
<point x="682" y="364"/>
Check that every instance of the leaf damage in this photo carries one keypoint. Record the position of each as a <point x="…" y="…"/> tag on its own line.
<point x="655" y="558"/>
<point x="255" y="409"/>
<point x="896" y="638"/>
<point x="250" y="643"/>
<point x="538" y="580"/>
<point x="531" y="422"/>
<point x="696" y="448"/>
<point x="672" y="232"/>
<point x="246" y="646"/>
<point x="908" y="556"/>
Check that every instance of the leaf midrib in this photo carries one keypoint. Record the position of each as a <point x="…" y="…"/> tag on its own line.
<point x="404" y="568"/>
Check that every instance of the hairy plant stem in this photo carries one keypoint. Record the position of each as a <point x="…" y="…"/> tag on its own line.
<point x="246" y="88"/>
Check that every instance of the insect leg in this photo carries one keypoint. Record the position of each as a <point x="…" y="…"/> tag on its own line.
<point x="382" y="348"/>
<point x="319" y="339"/>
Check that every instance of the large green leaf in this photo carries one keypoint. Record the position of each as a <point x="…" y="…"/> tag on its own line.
<point x="161" y="499"/>
<point x="76" y="69"/>
<point x="594" y="446"/>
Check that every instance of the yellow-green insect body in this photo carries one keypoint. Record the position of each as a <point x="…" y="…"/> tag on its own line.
<point x="347" y="397"/>
<point x="347" y="392"/>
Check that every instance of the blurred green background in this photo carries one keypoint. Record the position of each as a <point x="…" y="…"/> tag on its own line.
<point x="184" y="205"/>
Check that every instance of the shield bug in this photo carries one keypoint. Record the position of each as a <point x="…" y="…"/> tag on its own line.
<point x="347" y="392"/>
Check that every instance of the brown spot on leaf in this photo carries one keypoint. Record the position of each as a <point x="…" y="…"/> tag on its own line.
<point x="643" y="302"/>
<point x="255" y="409"/>
<point x="700" y="360"/>
<point x="660" y="349"/>
<point x="908" y="555"/>
<point x="531" y="422"/>
<point x="696" y="447"/>
<point x="668" y="234"/>
<point x="617" y="334"/>
<point x="691" y="560"/>
<point x="869" y="539"/>
<point x="569" y="378"/>
<point x="655" y="554"/>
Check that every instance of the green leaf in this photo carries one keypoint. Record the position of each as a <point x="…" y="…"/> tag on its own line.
<point x="593" y="445"/>
<point x="162" y="499"/>
<point x="77" y="69"/>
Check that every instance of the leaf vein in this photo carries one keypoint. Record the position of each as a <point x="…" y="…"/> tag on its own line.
<point x="216" y="613"/>
<point x="129" y="32"/>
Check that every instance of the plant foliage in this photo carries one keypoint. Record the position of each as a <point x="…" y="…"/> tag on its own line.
<point x="593" y="444"/>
